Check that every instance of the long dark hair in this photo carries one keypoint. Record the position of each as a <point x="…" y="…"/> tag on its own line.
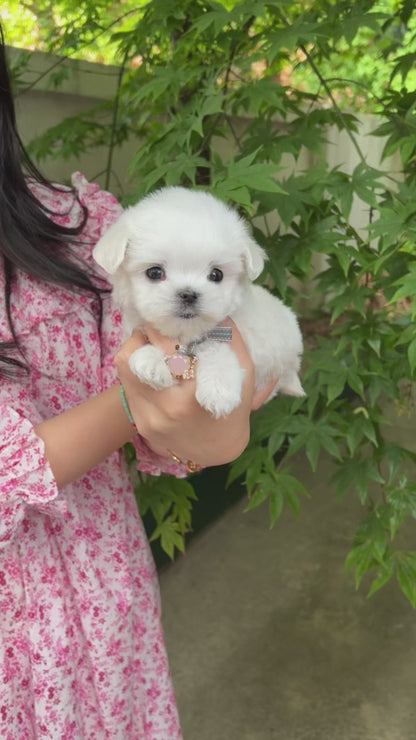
<point x="30" y="240"/>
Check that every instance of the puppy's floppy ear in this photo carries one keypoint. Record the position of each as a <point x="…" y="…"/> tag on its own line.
<point x="254" y="257"/>
<point x="110" y="249"/>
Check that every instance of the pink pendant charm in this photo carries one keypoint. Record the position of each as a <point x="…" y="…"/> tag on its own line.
<point x="181" y="366"/>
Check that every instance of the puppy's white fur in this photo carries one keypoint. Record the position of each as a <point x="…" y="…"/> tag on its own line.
<point x="191" y="235"/>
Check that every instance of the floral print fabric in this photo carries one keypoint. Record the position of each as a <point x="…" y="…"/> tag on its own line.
<point x="82" y="655"/>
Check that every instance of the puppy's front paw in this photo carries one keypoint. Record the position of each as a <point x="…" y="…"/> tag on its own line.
<point x="219" y="381"/>
<point x="218" y="399"/>
<point x="149" y="365"/>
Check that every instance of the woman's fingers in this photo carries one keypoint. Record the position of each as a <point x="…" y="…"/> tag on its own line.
<point x="261" y="396"/>
<point x="137" y="340"/>
<point x="159" y="340"/>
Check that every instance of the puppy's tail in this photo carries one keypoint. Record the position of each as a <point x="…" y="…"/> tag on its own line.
<point x="290" y="384"/>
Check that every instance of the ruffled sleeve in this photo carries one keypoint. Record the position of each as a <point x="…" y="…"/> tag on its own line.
<point x="103" y="209"/>
<point x="26" y="478"/>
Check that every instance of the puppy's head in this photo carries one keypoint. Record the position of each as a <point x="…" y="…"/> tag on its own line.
<point x="179" y="260"/>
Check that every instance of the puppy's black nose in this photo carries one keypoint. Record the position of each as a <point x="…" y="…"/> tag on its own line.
<point x="188" y="296"/>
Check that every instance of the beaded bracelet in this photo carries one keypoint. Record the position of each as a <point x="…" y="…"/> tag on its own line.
<point x="126" y="406"/>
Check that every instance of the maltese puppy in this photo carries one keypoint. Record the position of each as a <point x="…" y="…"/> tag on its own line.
<point x="182" y="261"/>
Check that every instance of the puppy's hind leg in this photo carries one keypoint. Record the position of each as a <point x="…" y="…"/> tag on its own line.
<point x="149" y="365"/>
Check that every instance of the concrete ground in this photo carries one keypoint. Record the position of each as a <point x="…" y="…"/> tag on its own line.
<point x="269" y="640"/>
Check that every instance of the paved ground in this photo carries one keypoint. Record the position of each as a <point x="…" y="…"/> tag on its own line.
<point x="268" y="639"/>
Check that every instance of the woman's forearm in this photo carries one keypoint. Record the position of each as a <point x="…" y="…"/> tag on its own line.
<point x="81" y="438"/>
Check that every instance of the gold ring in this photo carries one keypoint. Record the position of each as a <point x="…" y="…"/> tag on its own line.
<point x="181" y="363"/>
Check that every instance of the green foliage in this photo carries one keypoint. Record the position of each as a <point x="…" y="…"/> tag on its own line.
<point x="168" y="500"/>
<point x="78" y="29"/>
<point x="200" y="75"/>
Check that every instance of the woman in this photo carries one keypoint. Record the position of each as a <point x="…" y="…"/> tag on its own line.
<point x="81" y="646"/>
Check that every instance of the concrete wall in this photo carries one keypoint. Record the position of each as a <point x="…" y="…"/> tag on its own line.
<point x="40" y="107"/>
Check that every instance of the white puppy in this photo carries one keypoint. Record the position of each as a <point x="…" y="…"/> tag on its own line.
<point x="182" y="261"/>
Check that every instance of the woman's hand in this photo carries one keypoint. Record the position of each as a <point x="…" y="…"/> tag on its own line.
<point x="172" y="420"/>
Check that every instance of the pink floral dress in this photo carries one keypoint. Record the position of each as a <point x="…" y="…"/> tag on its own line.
<point x="82" y="655"/>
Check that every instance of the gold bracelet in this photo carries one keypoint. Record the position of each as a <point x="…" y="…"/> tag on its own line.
<point x="191" y="467"/>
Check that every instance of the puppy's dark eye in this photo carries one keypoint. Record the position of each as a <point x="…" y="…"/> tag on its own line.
<point x="215" y="275"/>
<point x="156" y="273"/>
